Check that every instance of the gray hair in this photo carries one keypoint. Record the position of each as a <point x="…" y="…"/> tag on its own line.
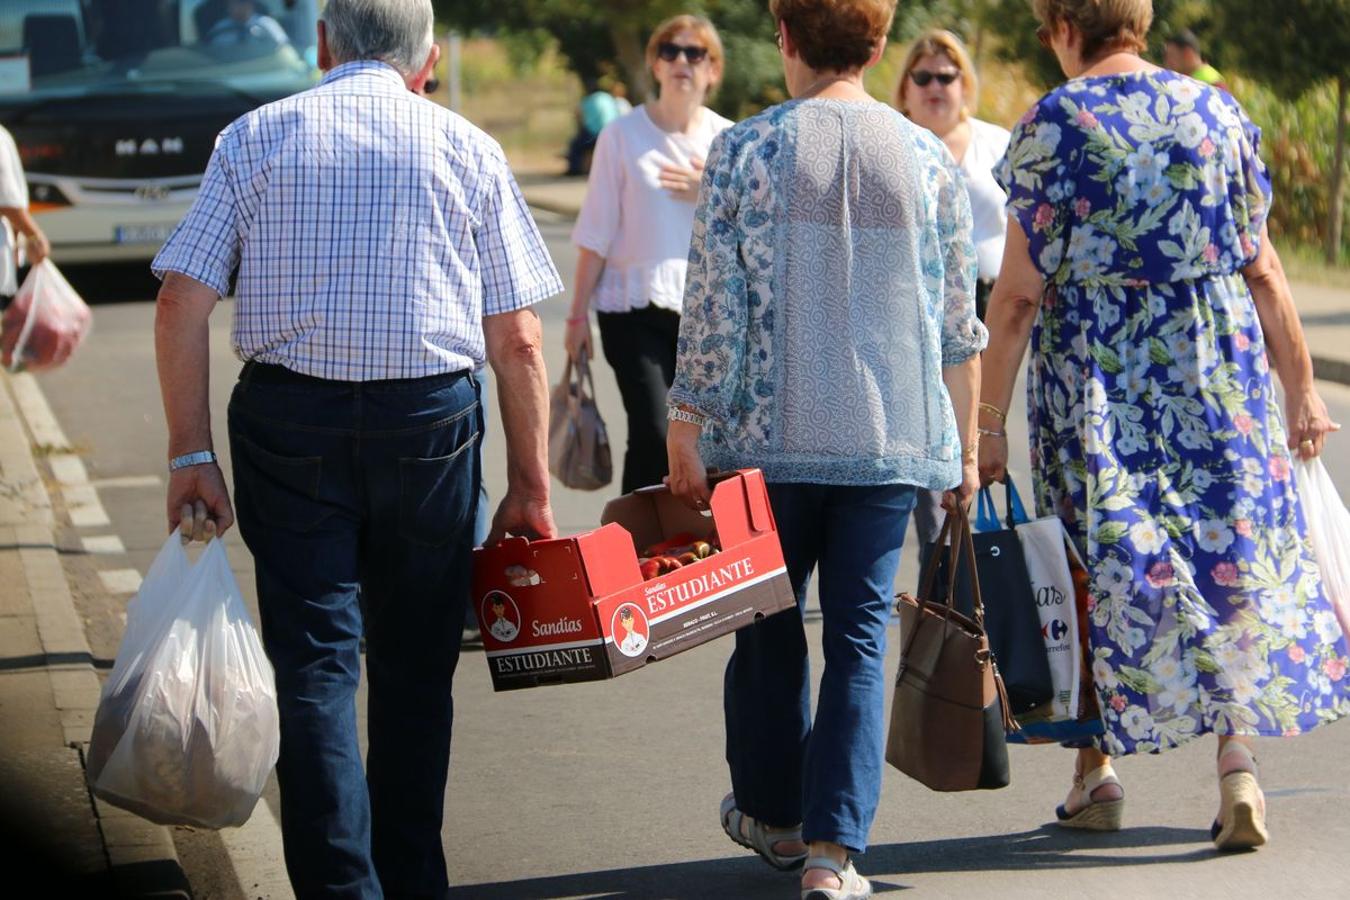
<point x="397" y="32"/>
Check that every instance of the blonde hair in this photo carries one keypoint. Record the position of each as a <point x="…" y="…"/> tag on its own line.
<point x="1106" y="25"/>
<point x="706" y="32"/>
<point x="939" y="42"/>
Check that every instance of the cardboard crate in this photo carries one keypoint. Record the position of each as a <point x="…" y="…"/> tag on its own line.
<point x="577" y="609"/>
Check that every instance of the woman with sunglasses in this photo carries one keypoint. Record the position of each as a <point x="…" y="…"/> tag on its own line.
<point x="632" y="234"/>
<point x="936" y="90"/>
<point x="1140" y="269"/>
<point x="829" y="339"/>
<point x="937" y="87"/>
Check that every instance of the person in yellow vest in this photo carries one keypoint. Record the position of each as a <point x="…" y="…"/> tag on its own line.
<point x="1181" y="53"/>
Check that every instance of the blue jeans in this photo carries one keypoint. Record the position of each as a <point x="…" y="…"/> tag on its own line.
<point x="785" y="769"/>
<point x="370" y="486"/>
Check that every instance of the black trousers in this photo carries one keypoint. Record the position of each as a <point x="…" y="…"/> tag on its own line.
<point x="640" y="347"/>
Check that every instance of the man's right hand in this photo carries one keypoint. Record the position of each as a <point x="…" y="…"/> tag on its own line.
<point x="529" y="517"/>
<point x="199" y="503"/>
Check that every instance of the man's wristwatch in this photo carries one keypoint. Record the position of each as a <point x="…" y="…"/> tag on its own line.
<point x="200" y="458"/>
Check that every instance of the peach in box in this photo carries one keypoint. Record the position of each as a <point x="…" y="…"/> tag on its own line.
<point x="578" y="608"/>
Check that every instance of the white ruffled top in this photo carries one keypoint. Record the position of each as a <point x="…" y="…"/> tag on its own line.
<point x="629" y="219"/>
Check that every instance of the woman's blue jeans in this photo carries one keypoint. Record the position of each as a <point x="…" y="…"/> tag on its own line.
<point x="372" y="485"/>
<point x="785" y="768"/>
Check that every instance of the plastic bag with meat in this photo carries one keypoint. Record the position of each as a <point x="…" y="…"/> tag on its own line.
<point x="45" y="323"/>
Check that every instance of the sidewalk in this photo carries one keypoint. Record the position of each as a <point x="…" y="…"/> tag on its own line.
<point x="1325" y="311"/>
<point x="51" y="828"/>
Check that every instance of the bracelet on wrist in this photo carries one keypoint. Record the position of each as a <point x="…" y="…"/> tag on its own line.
<point x="984" y="432"/>
<point x="681" y="414"/>
<point x="994" y="411"/>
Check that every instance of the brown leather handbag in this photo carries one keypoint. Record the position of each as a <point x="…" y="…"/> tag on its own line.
<point x="950" y="713"/>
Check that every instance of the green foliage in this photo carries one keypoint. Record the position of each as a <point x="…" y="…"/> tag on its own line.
<point x="1303" y="44"/>
<point x="1298" y="145"/>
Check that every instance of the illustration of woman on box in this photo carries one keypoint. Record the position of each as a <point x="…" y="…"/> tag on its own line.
<point x="829" y="338"/>
<point x="502" y="628"/>
<point x="634" y="642"/>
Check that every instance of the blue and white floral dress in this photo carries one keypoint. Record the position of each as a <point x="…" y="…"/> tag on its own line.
<point x="1155" y="432"/>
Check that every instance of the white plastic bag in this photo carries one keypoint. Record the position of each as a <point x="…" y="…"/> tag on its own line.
<point x="187" y="730"/>
<point x="1328" y="530"/>
<point x="45" y="323"/>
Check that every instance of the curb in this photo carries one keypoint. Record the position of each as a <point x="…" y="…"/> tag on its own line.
<point x="1327" y="369"/>
<point x="141" y="857"/>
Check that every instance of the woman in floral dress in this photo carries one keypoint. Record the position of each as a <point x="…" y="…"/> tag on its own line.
<point x="1139" y="267"/>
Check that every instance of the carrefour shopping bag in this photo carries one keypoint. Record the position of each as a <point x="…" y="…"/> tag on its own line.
<point x="1059" y="583"/>
<point x="1328" y="529"/>
<point x="45" y="322"/>
<point x="187" y="730"/>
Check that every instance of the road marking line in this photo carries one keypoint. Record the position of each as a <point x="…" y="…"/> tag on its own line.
<point x="68" y="468"/>
<point x="121" y="581"/>
<point x="84" y="507"/>
<point x="255" y="852"/>
<point x="109" y="544"/>
<point x="129" y="481"/>
<point x="46" y="431"/>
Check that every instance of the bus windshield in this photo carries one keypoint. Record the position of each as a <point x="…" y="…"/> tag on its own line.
<point x="51" y="49"/>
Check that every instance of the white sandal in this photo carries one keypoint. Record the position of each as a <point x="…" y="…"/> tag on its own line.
<point x="852" y="886"/>
<point x="1096" y="815"/>
<point x="759" y="837"/>
<point x="1242" y="806"/>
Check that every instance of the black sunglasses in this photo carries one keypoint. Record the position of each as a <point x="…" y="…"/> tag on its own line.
<point x="671" y="52"/>
<point x="432" y="85"/>
<point x="923" y="78"/>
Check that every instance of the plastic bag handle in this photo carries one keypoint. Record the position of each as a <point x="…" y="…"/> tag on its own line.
<point x="986" y="518"/>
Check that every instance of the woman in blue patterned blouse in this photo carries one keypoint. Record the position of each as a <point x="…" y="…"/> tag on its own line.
<point x="1139" y="267"/>
<point x="829" y="338"/>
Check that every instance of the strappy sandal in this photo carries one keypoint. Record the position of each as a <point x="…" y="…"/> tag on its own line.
<point x="1097" y="815"/>
<point x="758" y="837"/>
<point x="1242" y="806"/>
<point x="852" y="886"/>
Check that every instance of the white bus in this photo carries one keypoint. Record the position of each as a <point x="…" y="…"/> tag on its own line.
<point x="115" y="105"/>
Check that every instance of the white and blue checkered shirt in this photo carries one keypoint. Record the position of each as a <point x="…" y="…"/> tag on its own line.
<point x="372" y="230"/>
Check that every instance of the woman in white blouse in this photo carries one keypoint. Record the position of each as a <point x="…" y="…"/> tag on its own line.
<point x="936" y="90"/>
<point x="632" y="235"/>
<point x="15" y="218"/>
<point x="937" y="87"/>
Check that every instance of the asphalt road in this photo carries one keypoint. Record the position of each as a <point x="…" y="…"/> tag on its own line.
<point x="611" y="789"/>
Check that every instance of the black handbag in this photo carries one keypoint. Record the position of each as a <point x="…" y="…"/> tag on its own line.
<point x="1010" y="617"/>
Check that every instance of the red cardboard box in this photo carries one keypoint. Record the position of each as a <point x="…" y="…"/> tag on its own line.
<point x="577" y="609"/>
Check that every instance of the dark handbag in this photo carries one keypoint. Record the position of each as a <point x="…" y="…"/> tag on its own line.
<point x="949" y="717"/>
<point x="1011" y="620"/>
<point x="578" y="444"/>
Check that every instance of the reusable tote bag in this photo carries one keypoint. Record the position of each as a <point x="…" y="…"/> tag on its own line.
<point x="949" y="715"/>
<point x="1010" y="620"/>
<point x="578" y="444"/>
<point x="1059" y="585"/>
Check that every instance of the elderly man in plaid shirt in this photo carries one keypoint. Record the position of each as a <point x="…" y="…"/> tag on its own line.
<point x="383" y="251"/>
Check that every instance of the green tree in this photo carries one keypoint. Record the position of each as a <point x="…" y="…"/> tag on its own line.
<point x="1305" y="43"/>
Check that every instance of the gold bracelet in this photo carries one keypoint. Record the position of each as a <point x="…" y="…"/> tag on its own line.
<point x="971" y="453"/>
<point x="994" y="411"/>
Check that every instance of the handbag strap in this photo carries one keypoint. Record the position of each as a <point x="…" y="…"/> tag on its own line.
<point x="986" y="513"/>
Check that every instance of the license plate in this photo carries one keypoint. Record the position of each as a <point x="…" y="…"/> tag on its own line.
<point x="142" y="234"/>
